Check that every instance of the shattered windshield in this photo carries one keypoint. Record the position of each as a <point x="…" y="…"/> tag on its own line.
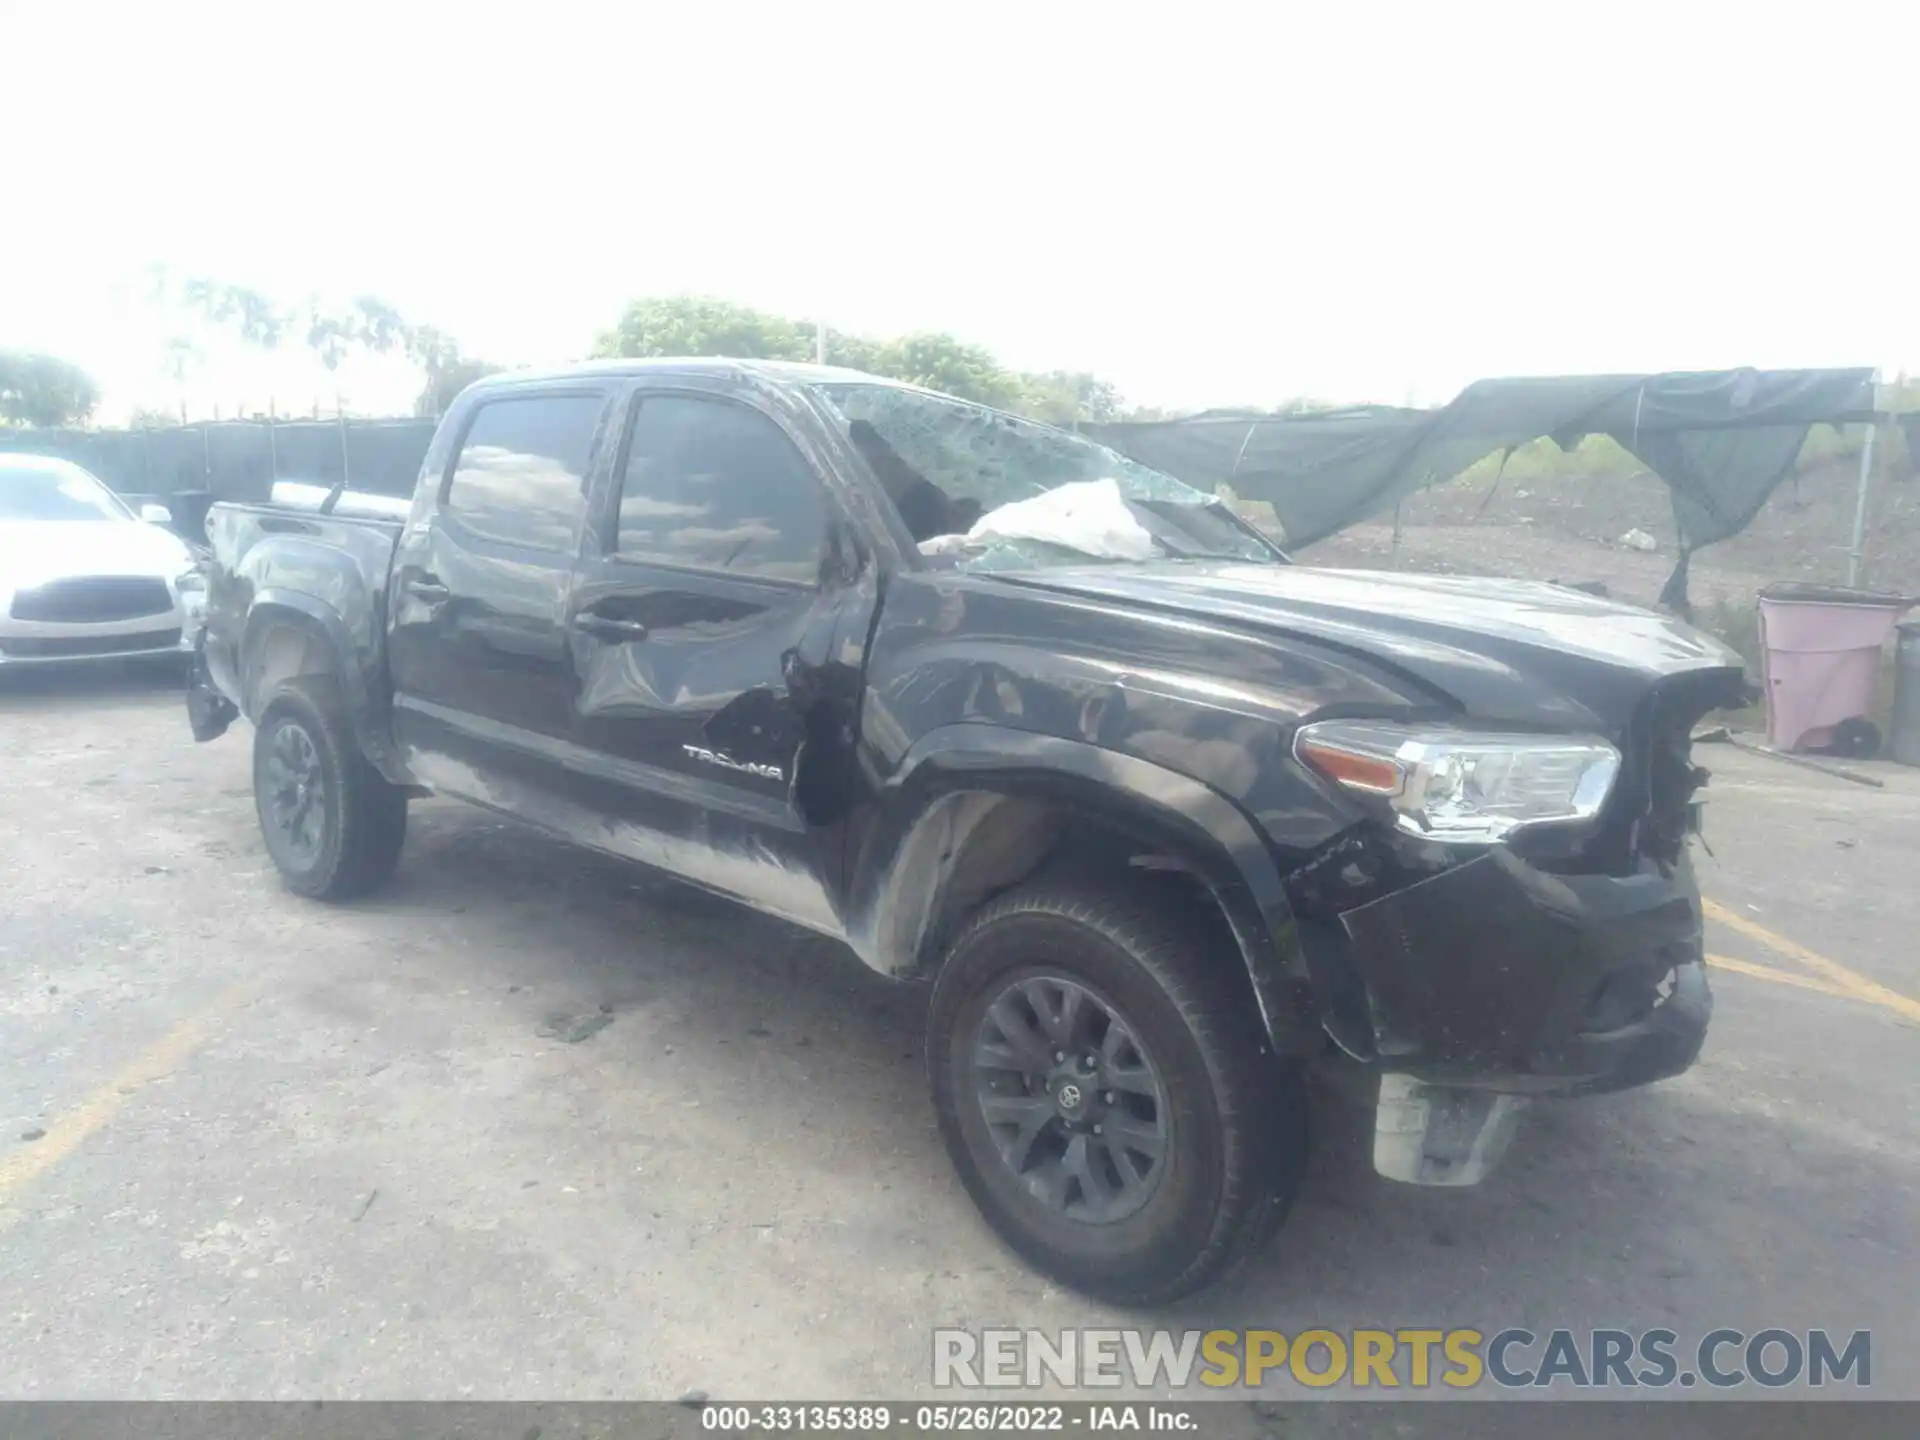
<point x="982" y="490"/>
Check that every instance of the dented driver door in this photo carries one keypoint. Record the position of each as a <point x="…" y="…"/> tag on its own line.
<point x="702" y="620"/>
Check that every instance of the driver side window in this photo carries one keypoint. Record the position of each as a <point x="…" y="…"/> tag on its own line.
<point x="711" y="484"/>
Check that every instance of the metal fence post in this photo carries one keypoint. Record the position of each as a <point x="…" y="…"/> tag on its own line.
<point x="1854" y="553"/>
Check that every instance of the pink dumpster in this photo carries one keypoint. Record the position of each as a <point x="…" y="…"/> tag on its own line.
<point x="1822" y="655"/>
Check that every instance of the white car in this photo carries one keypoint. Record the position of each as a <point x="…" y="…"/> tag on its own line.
<point x="82" y="577"/>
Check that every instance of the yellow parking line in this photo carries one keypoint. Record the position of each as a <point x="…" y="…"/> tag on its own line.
<point x="1847" y="978"/>
<point x="66" y="1132"/>
<point x="1778" y="977"/>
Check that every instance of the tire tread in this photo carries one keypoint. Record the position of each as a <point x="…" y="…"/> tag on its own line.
<point x="1265" y="1141"/>
<point x="373" y="810"/>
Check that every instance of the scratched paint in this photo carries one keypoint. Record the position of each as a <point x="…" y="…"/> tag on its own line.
<point x="748" y="872"/>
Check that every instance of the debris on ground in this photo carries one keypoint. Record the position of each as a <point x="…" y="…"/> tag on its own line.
<point x="1722" y="735"/>
<point x="572" y="1029"/>
<point x="1806" y="762"/>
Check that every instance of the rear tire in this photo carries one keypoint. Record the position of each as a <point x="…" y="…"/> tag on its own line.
<point x="332" y="823"/>
<point x="1068" y="1005"/>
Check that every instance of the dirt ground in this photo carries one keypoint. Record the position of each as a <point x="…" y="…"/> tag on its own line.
<point x="534" y="1125"/>
<point x="1570" y="528"/>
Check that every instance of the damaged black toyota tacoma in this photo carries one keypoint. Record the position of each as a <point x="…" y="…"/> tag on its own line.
<point x="1163" y="816"/>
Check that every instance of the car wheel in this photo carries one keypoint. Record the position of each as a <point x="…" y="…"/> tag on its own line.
<point x="1106" y="1096"/>
<point x="332" y="823"/>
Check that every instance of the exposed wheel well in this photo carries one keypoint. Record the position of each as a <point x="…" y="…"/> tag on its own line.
<point x="281" y="646"/>
<point x="996" y="841"/>
<point x="285" y="644"/>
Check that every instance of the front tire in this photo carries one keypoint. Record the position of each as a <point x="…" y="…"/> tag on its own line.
<point x="332" y="823"/>
<point x="1103" y="1090"/>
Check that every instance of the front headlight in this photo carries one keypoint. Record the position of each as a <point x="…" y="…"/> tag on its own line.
<point x="1462" y="787"/>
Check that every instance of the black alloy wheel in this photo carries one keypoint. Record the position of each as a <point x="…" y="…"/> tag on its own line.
<point x="332" y="823"/>
<point x="1105" y="1090"/>
<point x="1072" y="1098"/>
<point x="294" y="804"/>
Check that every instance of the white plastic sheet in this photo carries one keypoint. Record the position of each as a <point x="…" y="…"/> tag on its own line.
<point x="1088" y="516"/>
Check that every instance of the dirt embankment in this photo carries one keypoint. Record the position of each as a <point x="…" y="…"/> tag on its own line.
<point x="1570" y="526"/>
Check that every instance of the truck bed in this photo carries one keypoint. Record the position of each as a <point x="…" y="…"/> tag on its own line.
<point x="323" y="572"/>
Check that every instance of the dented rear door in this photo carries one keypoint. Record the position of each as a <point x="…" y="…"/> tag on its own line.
<point x="703" y="618"/>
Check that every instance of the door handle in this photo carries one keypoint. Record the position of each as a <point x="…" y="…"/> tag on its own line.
<point x="606" y="627"/>
<point x="427" y="588"/>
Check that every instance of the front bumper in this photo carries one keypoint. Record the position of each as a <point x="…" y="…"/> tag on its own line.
<point x="1499" y="976"/>
<point x="26" y="642"/>
<point x="209" y="711"/>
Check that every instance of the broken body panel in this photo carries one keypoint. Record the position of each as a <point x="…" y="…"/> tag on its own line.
<point x="871" y="755"/>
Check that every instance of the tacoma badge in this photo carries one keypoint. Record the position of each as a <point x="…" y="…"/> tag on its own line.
<point x="727" y="762"/>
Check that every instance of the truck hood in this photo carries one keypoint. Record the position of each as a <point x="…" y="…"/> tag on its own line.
<point x="1517" y="651"/>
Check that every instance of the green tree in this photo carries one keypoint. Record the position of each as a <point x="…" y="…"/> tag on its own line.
<point x="257" y="319"/>
<point x="329" y="335"/>
<point x="940" y="362"/>
<point x="430" y="349"/>
<point x="377" y="327"/>
<point x="1067" y="398"/>
<point x="447" y="371"/>
<point x="368" y="325"/>
<point x="702" y="325"/>
<point x="855" y="352"/>
<point x="37" y="389"/>
<point x="447" y="381"/>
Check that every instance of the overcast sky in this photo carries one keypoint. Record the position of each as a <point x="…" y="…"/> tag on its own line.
<point x="1233" y="205"/>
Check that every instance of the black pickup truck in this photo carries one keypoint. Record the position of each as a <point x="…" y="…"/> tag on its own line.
<point x="1163" y="816"/>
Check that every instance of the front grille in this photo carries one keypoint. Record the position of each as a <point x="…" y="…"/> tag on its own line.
<point x="96" y="599"/>
<point x="56" y="647"/>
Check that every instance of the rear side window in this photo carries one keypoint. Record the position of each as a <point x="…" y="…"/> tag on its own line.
<point x="522" y="470"/>
<point x="716" y="486"/>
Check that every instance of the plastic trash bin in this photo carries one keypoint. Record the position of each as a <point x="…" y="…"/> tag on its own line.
<point x="1821" y="647"/>
<point x="1905" y="741"/>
